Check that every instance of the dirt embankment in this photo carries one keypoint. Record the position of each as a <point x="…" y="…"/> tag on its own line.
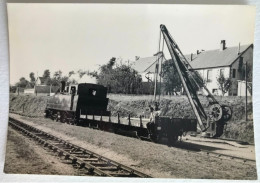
<point x="25" y="157"/>
<point x="157" y="160"/>
<point x="176" y="106"/>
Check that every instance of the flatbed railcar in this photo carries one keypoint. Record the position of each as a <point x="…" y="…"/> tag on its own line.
<point x="86" y="104"/>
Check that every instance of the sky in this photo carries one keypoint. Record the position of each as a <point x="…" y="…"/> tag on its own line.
<point x="70" y="37"/>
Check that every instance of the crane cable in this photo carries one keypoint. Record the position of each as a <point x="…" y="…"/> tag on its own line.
<point x="160" y="83"/>
<point x="156" y="67"/>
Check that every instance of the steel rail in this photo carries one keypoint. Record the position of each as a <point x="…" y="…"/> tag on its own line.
<point x="188" y="146"/>
<point x="94" y="163"/>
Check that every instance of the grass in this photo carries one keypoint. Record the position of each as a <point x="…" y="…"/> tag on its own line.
<point x="136" y="105"/>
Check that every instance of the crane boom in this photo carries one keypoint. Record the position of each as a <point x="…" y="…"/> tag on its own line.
<point x="183" y="72"/>
<point x="218" y="115"/>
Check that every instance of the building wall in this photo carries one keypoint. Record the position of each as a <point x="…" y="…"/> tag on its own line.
<point x="210" y="76"/>
<point x="228" y="71"/>
<point x="234" y="72"/>
<point x="38" y="82"/>
<point x="146" y="74"/>
<point x="241" y="89"/>
<point x="29" y="91"/>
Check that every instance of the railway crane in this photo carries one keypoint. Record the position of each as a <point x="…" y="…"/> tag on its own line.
<point x="211" y="122"/>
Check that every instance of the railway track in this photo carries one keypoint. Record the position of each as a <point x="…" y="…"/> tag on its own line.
<point x="88" y="162"/>
<point x="188" y="146"/>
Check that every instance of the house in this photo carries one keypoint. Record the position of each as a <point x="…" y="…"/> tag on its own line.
<point x="40" y="81"/>
<point x="147" y="67"/>
<point x="226" y="60"/>
<point x="41" y="88"/>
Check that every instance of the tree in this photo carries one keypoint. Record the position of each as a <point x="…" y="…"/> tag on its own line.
<point x="47" y="77"/>
<point x="72" y="81"/>
<point x="105" y="75"/>
<point x="171" y="80"/>
<point x="32" y="79"/>
<point x="125" y="79"/>
<point x="82" y="73"/>
<point x="71" y="73"/>
<point x="120" y="78"/>
<point x="22" y="83"/>
<point x="46" y="74"/>
<point x="224" y="83"/>
<point x="13" y="88"/>
<point x="57" y="78"/>
<point x="93" y="74"/>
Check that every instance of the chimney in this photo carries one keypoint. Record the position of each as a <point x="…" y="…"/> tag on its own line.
<point x="137" y="58"/>
<point x="191" y="57"/>
<point x="198" y="52"/>
<point x="238" y="51"/>
<point x="222" y="45"/>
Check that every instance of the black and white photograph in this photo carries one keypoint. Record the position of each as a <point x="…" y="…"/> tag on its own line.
<point x="131" y="90"/>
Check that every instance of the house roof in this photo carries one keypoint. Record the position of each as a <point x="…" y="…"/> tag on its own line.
<point x="216" y="58"/>
<point x="206" y="59"/>
<point x="143" y="63"/>
<point x="42" y="79"/>
<point x="146" y="64"/>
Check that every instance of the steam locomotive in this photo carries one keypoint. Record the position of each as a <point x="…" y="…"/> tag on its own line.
<point x="72" y="102"/>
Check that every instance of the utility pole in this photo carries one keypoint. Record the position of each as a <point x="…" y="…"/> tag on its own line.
<point x="50" y="89"/>
<point x="246" y="89"/>
<point x="155" y="80"/>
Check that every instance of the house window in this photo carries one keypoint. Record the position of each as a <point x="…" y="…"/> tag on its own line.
<point x="221" y="72"/>
<point x="209" y="76"/>
<point x="234" y="73"/>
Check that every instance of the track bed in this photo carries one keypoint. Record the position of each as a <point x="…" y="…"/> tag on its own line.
<point x="156" y="160"/>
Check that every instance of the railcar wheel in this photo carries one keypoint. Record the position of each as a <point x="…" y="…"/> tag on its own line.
<point x="46" y="113"/>
<point x="58" y="117"/>
<point x="62" y="117"/>
<point x="216" y="112"/>
<point x="227" y="112"/>
<point x="172" y="140"/>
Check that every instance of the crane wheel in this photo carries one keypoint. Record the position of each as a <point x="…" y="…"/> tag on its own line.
<point x="227" y="112"/>
<point x="216" y="112"/>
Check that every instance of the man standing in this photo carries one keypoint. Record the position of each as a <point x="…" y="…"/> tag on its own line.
<point x="151" y="125"/>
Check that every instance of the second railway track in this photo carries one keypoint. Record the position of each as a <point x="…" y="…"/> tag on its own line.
<point x="89" y="162"/>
